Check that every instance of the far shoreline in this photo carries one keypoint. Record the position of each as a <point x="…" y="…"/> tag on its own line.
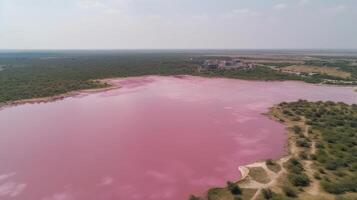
<point x="107" y="81"/>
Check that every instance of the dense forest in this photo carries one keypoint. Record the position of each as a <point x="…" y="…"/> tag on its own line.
<point x="32" y="76"/>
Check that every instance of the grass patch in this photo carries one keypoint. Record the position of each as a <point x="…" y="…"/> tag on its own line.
<point x="259" y="174"/>
<point x="273" y="166"/>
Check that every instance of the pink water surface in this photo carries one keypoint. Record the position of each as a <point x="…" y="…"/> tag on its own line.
<point x="155" y="138"/>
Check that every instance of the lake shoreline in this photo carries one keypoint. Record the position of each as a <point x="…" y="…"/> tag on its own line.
<point x="137" y="89"/>
<point x="107" y="82"/>
<point x="111" y="86"/>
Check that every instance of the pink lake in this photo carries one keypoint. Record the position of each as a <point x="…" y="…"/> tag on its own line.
<point x="155" y="138"/>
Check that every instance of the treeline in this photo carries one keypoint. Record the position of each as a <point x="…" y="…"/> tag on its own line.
<point x="32" y="77"/>
<point x="261" y="73"/>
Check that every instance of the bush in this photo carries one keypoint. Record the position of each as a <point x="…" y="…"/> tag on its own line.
<point x="267" y="193"/>
<point x="303" y="143"/>
<point x="332" y="187"/>
<point x="322" y="171"/>
<point x="317" y="176"/>
<point x="331" y="165"/>
<point x="269" y="162"/>
<point x="299" y="179"/>
<point x="289" y="191"/>
<point x="297" y="129"/>
<point x="313" y="157"/>
<point x="294" y="161"/>
<point x="303" y="155"/>
<point x="234" y="188"/>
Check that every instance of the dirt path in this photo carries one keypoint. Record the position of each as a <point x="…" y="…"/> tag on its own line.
<point x="314" y="188"/>
<point x="313" y="191"/>
<point x="252" y="184"/>
<point x="294" y="150"/>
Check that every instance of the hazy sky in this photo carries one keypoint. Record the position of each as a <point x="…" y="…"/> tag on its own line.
<point x="138" y="24"/>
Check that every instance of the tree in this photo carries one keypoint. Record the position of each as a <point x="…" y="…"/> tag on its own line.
<point x="234" y="188"/>
<point x="299" y="179"/>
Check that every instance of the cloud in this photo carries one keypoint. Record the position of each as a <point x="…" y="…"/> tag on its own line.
<point x="87" y="4"/>
<point x="244" y="12"/>
<point x="304" y="2"/>
<point x="11" y="189"/>
<point x="280" y="6"/>
<point x="108" y="6"/>
<point x="337" y="9"/>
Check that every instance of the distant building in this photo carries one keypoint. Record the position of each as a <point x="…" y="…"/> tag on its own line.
<point x="227" y="64"/>
<point x="211" y="64"/>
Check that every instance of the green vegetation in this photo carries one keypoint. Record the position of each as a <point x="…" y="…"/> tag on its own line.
<point x="296" y="175"/>
<point x="258" y="73"/>
<point x="26" y="75"/>
<point x="32" y="76"/>
<point x="267" y="193"/>
<point x="334" y="127"/>
<point x="259" y="174"/>
<point x="272" y="165"/>
<point x="234" y="188"/>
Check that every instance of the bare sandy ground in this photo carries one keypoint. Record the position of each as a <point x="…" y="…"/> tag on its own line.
<point x="316" y="69"/>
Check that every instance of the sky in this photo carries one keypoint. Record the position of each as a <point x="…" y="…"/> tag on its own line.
<point x="178" y="24"/>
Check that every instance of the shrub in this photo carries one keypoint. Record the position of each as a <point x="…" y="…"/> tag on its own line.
<point x="296" y="118"/>
<point x="331" y="165"/>
<point x="269" y="162"/>
<point x="295" y="166"/>
<point x="317" y="176"/>
<point x="332" y="187"/>
<point x="297" y="129"/>
<point x="303" y="155"/>
<point x="289" y="191"/>
<point x="313" y="157"/>
<point x="267" y="193"/>
<point x="322" y="171"/>
<point x="294" y="161"/>
<point x="234" y="188"/>
<point x="303" y="143"/>
<point x="319" y="145"/>
<point x="299" y="179"/>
